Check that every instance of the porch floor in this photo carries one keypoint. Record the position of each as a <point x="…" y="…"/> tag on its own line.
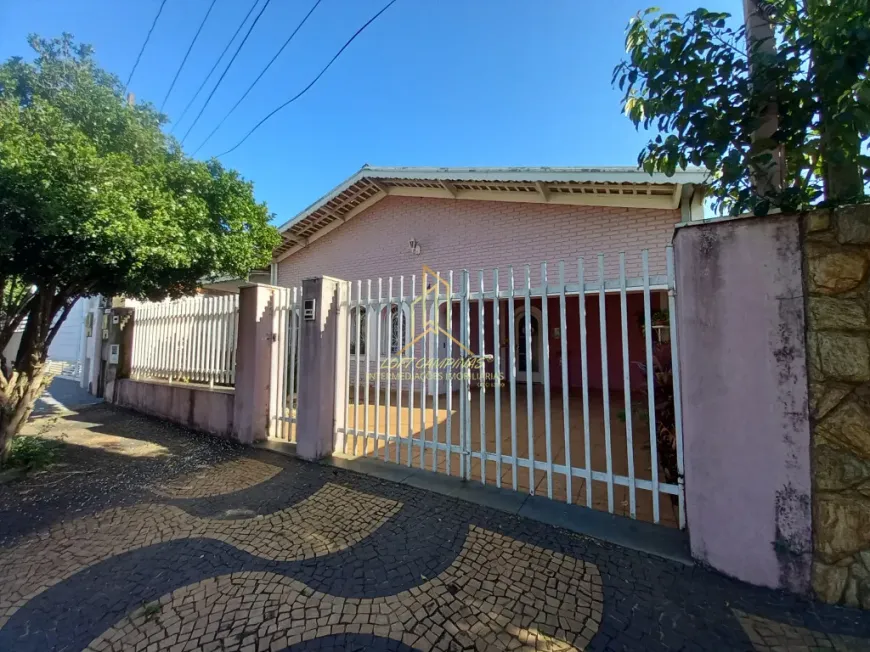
<point x="398" y="425"/>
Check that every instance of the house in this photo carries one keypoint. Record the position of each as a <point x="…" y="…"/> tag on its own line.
<point x="65" y="352"/>
<point x="495" y="218"/>
<point x="508" y="226"/>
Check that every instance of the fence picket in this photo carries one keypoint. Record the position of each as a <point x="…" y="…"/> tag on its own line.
<point x="545" y="355"/>
<point x="368" y="341"/>
<point x="389" y="316"/>
<point x="401" y="368"/>
<point x="481" y="372"/>
<point x="434" y="371"/>
<point x="584" y="379"/>
<point x="357" y="348"/>
<point x="605" y="381"/>
<point x="379" y="336"/>
<point x="448" y="426"/>
<point x="530" y="410"/>
<point x="424" y="376"/>
<point x="650" y="387"/>
<point x="626" y="385"/>
<point x="566" y="409"/>
<point x="675" y="372"/>
<point x="512" y="371"/>
<point x="496" y="377"/>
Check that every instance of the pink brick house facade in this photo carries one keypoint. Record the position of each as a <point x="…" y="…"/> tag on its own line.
<point x="473" y="235"/>
<point x="367" y="238"/>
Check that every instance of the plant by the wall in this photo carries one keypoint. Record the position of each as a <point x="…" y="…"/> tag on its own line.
<point x="665" y="412"/>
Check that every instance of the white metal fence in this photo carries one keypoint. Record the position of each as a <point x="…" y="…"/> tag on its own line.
<point x="283" y="396"/>
<point x="577" y="440"/>
<point x="190" y="340"/>
<point x="64" y="368"/>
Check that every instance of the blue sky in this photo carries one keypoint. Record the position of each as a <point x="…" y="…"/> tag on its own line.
<point x="431" y="82"/>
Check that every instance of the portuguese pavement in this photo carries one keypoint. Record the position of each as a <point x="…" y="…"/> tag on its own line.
<point x="254" y="551"/>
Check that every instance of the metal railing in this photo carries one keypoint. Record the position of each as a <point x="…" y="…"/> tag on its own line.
<point x="593" y="410"/>
<point x="189" y="340"/>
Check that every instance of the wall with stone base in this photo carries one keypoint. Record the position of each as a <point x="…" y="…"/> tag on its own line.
<point x="836" y="265"/>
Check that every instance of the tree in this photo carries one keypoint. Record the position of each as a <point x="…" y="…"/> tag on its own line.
<point x="708" y="94"/>
<point x="96" y="199"/>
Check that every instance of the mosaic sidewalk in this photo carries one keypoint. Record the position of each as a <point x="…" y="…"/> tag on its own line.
<point x="267" y="553"/>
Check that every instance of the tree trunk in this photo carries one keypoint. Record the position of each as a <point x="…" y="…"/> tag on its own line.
<point x="29" y="379"/>
<point x="840" y="149"/>
<point x="23" y="394"/>
<point x="840" y="142"/>
<point x="761" y="42"/>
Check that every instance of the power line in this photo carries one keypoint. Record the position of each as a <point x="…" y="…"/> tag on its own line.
<point x="145" y="44"/>
<point x="187" y="54"/>
<point x="259" y="77"/>
<point x="214" y="67"/>
<point x="226" y="70"/>
<point x="313" y="81"/>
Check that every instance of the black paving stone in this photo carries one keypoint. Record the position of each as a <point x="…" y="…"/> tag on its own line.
<point x="649" y="603"/>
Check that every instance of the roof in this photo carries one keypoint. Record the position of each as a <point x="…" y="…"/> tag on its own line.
<point x="584" y="186"/>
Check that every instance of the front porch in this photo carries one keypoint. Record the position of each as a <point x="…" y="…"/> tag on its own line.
<point x="400" y="433"/>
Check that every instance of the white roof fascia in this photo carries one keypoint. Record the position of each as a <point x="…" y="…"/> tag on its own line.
<point x="616" y="175"/>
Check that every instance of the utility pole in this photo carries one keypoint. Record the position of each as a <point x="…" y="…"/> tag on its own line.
<point x="760" y="41"/>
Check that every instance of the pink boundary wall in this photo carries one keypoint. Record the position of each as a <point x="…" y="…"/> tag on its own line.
<point x="241" y="413"/>
<point x="196" y="407"/>
<point x="741" y="324"/>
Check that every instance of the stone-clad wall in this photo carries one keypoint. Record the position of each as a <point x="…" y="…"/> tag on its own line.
<point x="837" y="262"/>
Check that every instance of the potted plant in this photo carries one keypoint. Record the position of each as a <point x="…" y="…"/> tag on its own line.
<point x="661" y="325"/>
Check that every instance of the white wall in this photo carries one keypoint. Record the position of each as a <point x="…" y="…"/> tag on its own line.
<point x="66" y="346"/>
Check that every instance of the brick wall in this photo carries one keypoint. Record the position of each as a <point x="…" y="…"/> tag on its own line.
<point x="456" y="235"/>
<point x="476" y="235"/>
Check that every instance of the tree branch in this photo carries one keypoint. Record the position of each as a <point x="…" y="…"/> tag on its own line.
<point x="60" y="320"/>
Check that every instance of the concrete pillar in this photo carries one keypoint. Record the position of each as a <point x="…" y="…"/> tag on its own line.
<point x="253" y="364"/>
<point x="322" y="362"/>
<point x="746" y="435"/>
<point x="117" y="349"/>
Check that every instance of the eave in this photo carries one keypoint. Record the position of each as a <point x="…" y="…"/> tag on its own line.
<point x="622" y="187"/>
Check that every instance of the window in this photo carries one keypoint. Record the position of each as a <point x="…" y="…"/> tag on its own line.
<point x="362" y="331"/>
<point x="398" y="332"/>
<point x="393" y="331"/>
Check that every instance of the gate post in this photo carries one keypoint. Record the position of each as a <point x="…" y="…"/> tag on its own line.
<point x="253" y="364"/>
<point x="323" y="347"/>
<point x="744" y="397"/>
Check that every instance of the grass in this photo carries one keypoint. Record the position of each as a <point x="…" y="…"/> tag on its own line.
<point x="150" y="610"/>
<point x="32" y="453"/>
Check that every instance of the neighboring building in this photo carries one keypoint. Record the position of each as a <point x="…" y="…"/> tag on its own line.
<point x="230" y="285"/>
<point x="388" y="222"/>
<point x="65" y="352"/>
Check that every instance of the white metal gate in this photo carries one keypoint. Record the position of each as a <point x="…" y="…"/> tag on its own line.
<point x="475" y="353"/>
<point x="284" y="393"/>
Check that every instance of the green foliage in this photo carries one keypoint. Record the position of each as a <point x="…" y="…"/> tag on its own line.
<point x="32" y="453"/>
<point x="665" y="411"/>
<point x="696" y="82"/>
<point x="95" y="198"/>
